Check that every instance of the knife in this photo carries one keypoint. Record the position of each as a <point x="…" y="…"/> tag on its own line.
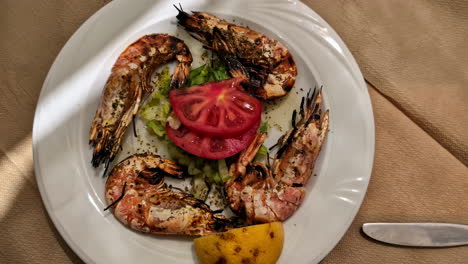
<point x="418" y="234"/>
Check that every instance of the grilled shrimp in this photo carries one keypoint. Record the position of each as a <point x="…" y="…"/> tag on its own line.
<point x="262" y="193"/>
<point x="264" y="61"/>
<point x="142" y="201"/>
<point x="130" y="77"/>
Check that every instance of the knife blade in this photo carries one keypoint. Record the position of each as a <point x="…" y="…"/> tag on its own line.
<point x="418" y="234"/>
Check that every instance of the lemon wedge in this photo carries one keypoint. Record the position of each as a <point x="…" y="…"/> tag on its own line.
<point x="257" y="244"/>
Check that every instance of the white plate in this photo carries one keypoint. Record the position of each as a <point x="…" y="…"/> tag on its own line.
<point x="72" y="190"/>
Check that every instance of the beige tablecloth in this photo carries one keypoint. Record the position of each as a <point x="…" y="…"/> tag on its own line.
<point x="413" y="53"/>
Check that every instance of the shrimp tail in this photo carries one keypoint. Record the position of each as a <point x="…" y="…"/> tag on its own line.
<point x="100" y="152"/>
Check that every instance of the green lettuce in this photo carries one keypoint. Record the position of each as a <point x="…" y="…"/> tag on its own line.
<point x="157" y="110"/>
<point x="206" y="73"/>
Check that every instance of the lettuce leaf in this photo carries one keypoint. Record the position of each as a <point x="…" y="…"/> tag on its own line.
<point x="156" y="127"/>
<point x="207" y="73"/>
<point x="264" y="127"/>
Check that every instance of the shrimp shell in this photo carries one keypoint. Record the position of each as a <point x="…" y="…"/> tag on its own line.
<point x="141" y="200"/>
<point x="130" y="77"/>
<point x="262" y="194"/>
<point x="268" y="64"/>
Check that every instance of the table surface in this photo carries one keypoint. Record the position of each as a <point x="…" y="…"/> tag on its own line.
<point x="413" y="56"/>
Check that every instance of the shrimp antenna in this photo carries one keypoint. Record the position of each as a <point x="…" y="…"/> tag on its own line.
<point x="302" y="107"/>
<point x="310" y="98"/>
<point x="293" y="119"/>
<point x="178" y="189"/>
<point x="118" y="199"/>
<point x="134" y="127"/>
<point x="268" y="160"/>
<point x="178" y="9"/>
<point x="319" y="92"/>
<point x="316" y="106"/>
<point x="106" y="168"/>
<point x="274" y="146"/>
<point x="313" y="115"/>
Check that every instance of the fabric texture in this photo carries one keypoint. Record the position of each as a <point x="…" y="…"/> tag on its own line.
<point x="412" y="53"/>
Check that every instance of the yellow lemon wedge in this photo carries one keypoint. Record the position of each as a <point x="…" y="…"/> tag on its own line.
<point x="257" y="244"/>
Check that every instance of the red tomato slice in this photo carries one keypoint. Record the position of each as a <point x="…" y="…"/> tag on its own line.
<point x="211" y="147"/>
<point x="216" y="108"/>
